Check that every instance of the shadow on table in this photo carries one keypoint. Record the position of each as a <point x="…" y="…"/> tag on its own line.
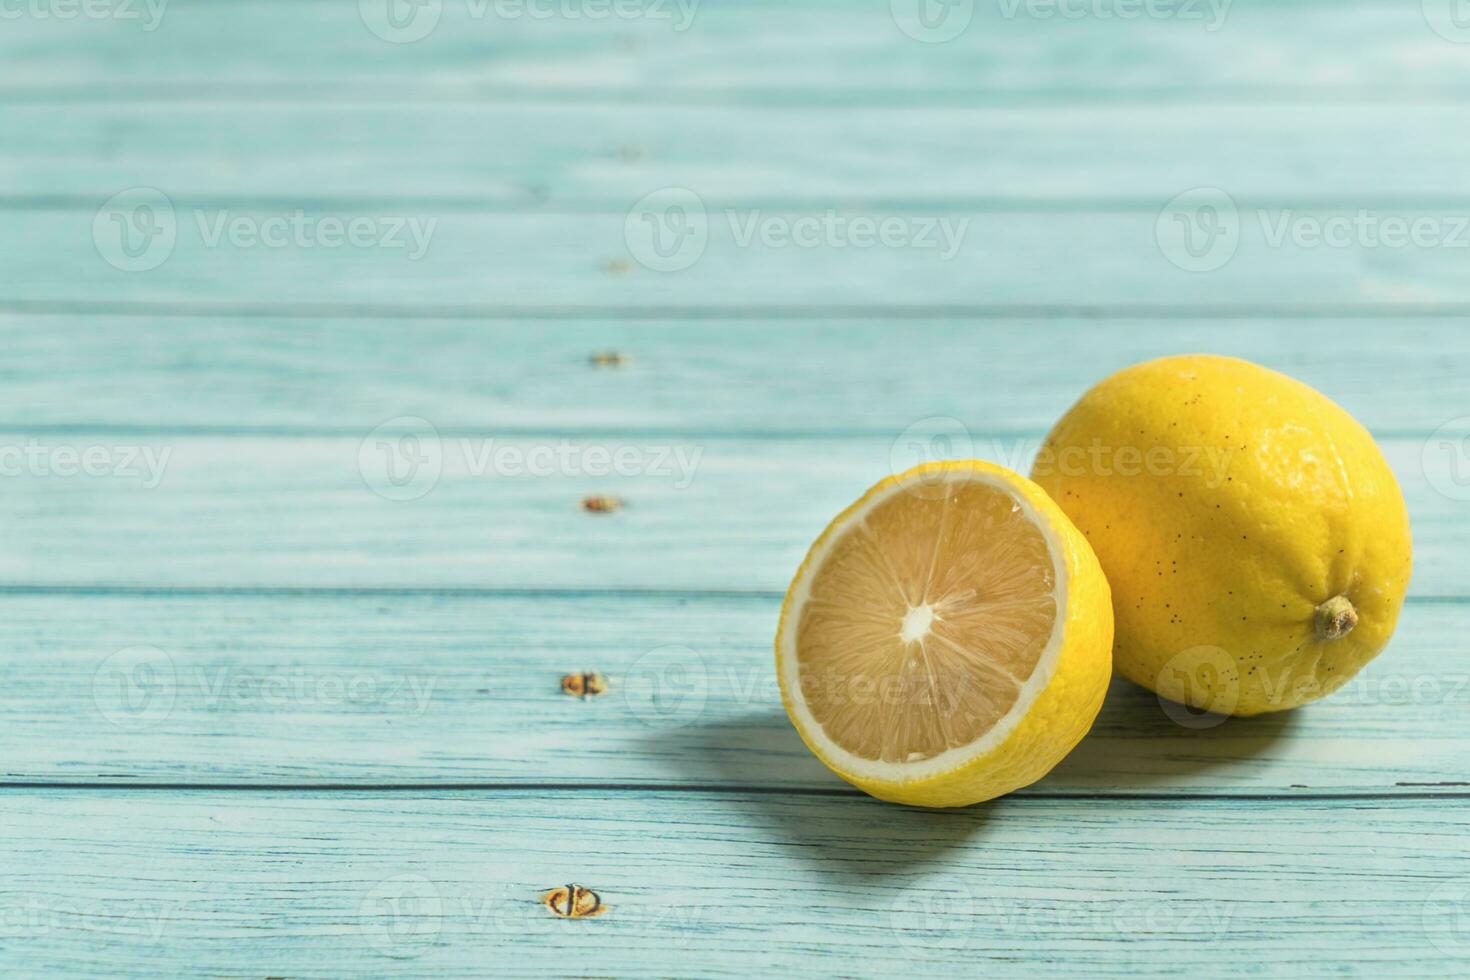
<point x="1137" y="745"/>
<point x="1144" y="743"/>
<point x="835" y="828"/>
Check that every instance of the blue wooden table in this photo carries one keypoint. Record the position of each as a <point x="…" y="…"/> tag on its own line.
<point x="378" y="378"/>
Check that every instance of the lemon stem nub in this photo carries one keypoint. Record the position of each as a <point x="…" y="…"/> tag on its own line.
<point x="1336" y="618"/>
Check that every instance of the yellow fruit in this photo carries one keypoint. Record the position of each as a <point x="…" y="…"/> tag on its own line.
<point x="947" y="638"/>
<point x="1255" y="539"/>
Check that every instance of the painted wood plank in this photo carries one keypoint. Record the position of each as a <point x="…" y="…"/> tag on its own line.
<point x="502" y="513"/>
<point x="562" y="264"/>
<point x="725" y="51"/>
<point x="532" y="152"/>
<point x="320" y="689"/>
<point x="680" y="377"/>
<point x="204" y="884"/>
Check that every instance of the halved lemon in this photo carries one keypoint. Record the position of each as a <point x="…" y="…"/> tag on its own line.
<point x="948" y="638"/>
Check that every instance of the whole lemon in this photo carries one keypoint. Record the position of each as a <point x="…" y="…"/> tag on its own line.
<point x="1254" y="537"/>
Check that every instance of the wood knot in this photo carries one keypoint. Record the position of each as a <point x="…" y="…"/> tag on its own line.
<point x="573" y="902"/>
<point x="600" y="504"/>
<point x="608" y="359"/>
<point x="584" y="685"/>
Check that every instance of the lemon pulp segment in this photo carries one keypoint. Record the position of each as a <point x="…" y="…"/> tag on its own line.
<point x="924" y="621"/>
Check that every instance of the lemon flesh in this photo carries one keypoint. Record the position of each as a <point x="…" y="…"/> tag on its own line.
<point x="1255" y="538"/>
<point x="947" y="638"/>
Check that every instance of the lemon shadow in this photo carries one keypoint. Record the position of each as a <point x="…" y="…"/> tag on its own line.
<point x="1139" y="744"/>
<point x="1144" y="742"/>
<point x="826" y="824"/>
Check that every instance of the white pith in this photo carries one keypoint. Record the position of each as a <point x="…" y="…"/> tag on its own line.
<point x="951" y="759"/>
<point x="916" y="623"/>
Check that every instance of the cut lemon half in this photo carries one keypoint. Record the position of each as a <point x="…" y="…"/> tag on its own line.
<point x="948" y="638"/>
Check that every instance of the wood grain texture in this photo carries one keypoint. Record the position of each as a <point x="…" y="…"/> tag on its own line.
<point x="810" y="50"/>
<point x="436" y="885"/>
<point x="473" y="265"/>
<point x="504" y="513"/>
<point x="690" y="378"/>
<point x="592" y="154"/>
<point x="330" y="689"/>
